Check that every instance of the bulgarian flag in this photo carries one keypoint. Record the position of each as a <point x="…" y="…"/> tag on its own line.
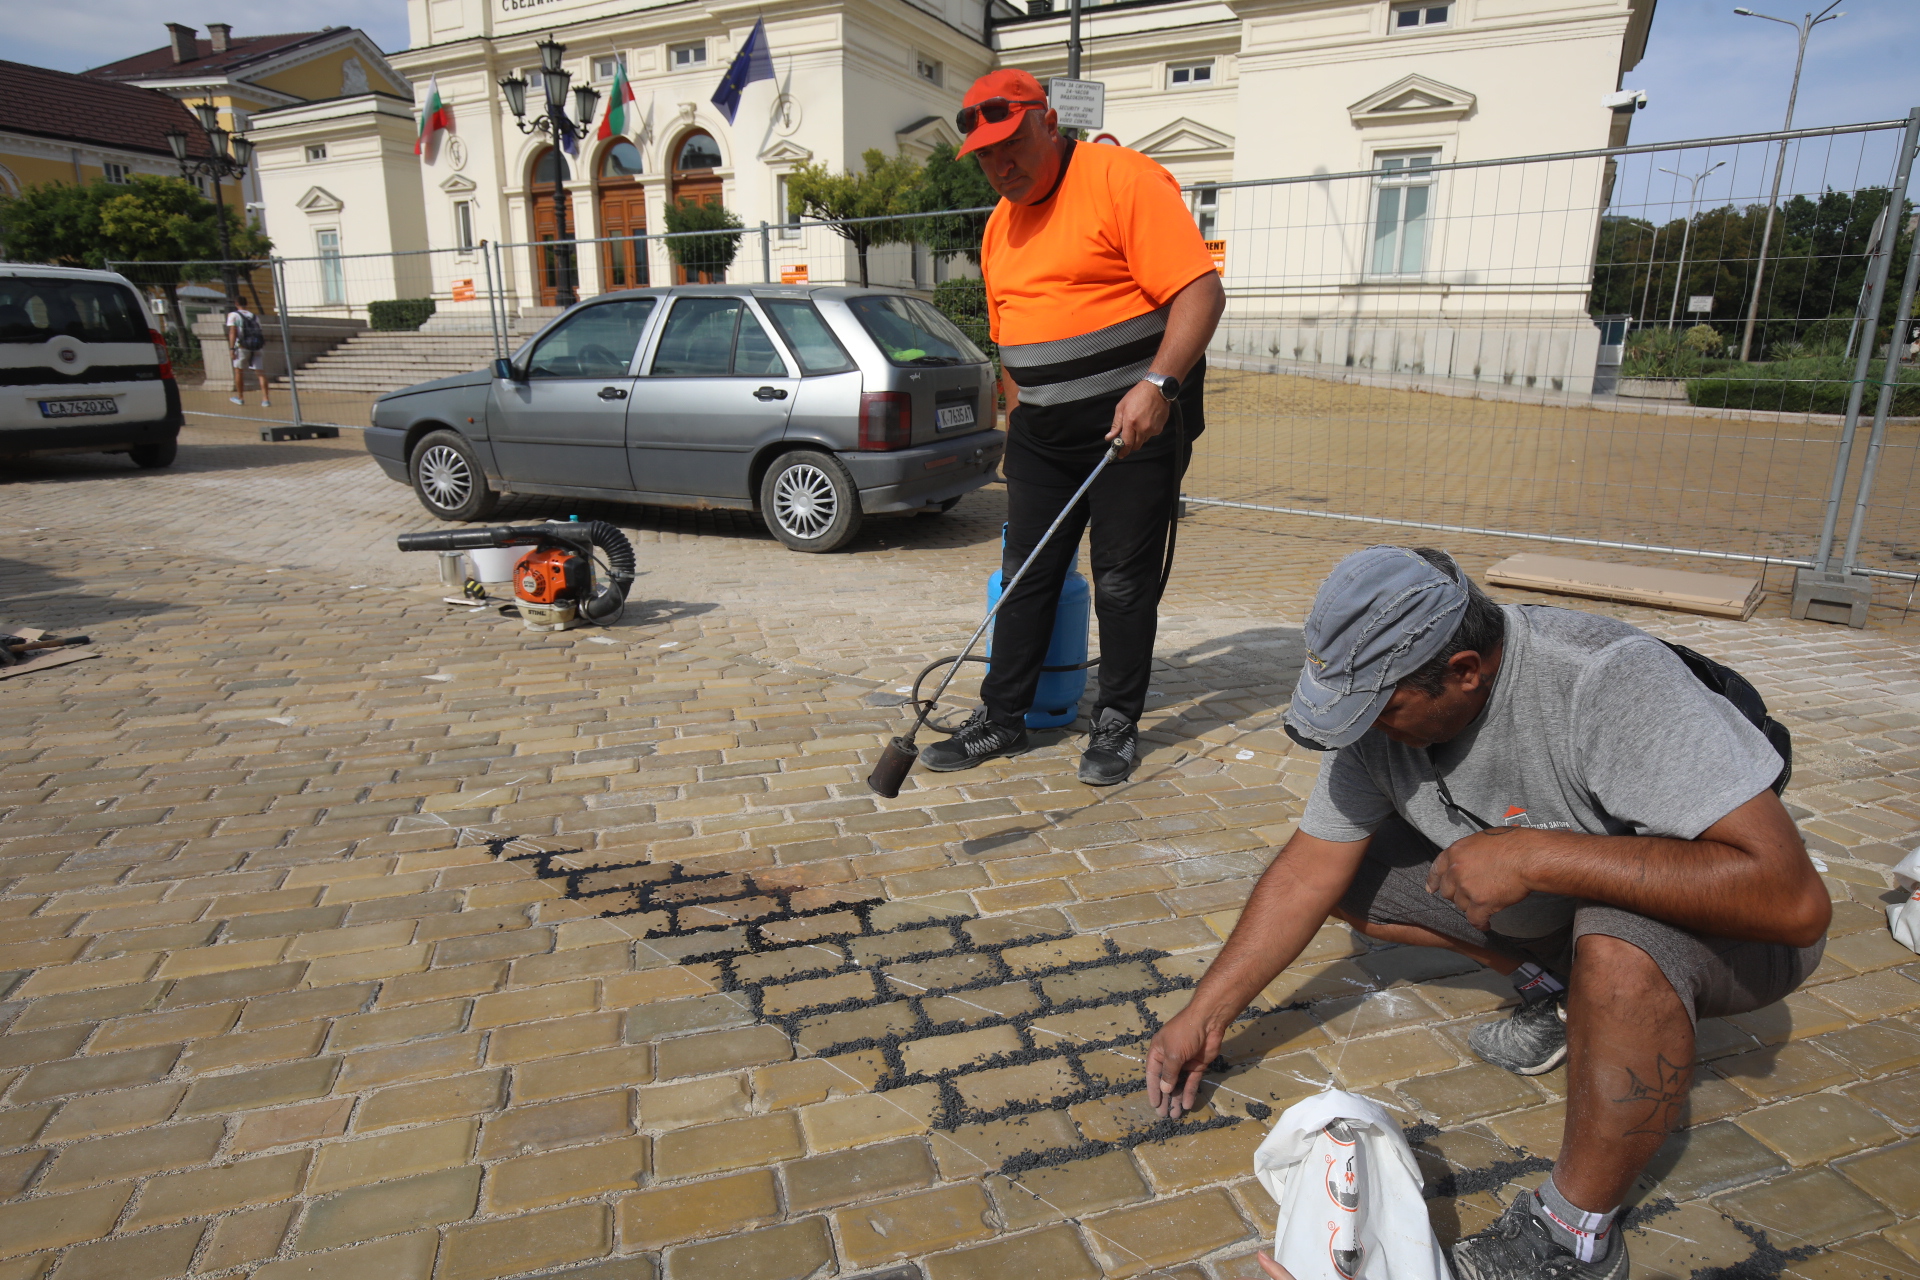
<point x="619" y="116"/>
<point x="437" y="116"/>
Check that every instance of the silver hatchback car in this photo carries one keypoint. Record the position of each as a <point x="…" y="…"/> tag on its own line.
<point x="816" y="406"/>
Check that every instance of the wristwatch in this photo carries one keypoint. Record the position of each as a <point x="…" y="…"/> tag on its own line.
<point x="1167" y="385"/>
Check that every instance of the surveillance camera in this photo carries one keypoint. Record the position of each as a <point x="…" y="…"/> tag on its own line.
<point x="1626" y="100"/>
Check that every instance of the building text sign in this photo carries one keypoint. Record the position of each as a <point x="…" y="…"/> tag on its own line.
<point x="1082" y="104"/>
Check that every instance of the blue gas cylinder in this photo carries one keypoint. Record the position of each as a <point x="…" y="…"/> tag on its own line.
<point x="1056" y="702"/>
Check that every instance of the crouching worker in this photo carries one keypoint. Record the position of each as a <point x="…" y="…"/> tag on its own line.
<point x="1556" y="795"/>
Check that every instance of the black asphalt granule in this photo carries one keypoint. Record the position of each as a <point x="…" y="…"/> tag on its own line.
<point x="1766" y="1262"/>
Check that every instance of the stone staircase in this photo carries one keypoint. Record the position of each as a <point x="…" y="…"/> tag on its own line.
<point x="375" y="363"/>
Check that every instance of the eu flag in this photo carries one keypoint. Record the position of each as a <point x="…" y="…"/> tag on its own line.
<point x="753" y="62"/>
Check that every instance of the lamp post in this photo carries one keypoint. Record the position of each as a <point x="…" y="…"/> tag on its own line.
<point x="227" y="157"/>
<point x="1686" y="233"/>
<point x="553" y="122"/>
<point x="1805" y="27"/>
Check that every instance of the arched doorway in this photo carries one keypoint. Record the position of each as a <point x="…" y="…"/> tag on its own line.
<point x="553" y="267"/>
<point x="623" y="212"/>
<point x="695" y="158"/>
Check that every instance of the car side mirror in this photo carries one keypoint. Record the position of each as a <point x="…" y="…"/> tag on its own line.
<point x="503" y="369"/>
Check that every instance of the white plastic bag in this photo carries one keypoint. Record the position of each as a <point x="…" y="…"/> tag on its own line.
<point x="1349" y="1194"/>
<point x="1903" y="918"/>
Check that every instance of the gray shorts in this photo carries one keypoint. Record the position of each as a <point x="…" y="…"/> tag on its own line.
<point x="1713" y="976"/>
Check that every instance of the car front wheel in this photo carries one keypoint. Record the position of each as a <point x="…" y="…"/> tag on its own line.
<point x="809" y="502"/>
<point x="159" y="453"/>
<point x="448" y="478"/>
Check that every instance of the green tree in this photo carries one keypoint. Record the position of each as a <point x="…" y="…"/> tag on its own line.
<point x="709" y="255"/>
<point x="952" y="182"/>
<point x="165" y="224"/>
<point x="861" y="207"/>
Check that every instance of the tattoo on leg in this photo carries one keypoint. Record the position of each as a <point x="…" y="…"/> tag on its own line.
<point x="1663" y="1098"/>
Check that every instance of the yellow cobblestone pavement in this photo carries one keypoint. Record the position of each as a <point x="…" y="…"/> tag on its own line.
<point x="347" y="934"/>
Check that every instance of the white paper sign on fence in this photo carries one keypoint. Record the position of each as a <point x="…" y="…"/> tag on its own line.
<point x="1349" y="1194"/>
<point x="1081" y="104"/>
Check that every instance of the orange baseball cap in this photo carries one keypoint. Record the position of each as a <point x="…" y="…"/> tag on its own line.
<point x="1012" y="84"/>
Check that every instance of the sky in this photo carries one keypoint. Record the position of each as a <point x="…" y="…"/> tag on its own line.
<point x="1707" y="72"/>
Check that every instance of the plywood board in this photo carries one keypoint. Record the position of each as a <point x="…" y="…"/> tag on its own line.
<point x="1722" y="595"/>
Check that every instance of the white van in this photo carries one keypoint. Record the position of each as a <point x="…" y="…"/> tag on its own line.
<point x="81" y="368"/>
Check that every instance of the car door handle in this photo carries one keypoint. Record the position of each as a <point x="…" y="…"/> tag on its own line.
<point x="612" y="393"/>
<point x="770" y="393"/>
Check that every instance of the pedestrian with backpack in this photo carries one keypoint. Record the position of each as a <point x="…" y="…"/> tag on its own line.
<point x="246" y="341"/>
<point x="1567" y="800"/>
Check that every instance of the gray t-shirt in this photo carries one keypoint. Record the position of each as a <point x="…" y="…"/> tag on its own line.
<point x="1593" y="726"/>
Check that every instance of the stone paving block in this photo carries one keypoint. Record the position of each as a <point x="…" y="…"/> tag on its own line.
<point x="583" y="1073"/>
<point x="350" y="1164"/>
<point x="1454" y="1097"/>
<point x="703" y="1013"/>
<point x="884" y="1169"/>
<point x="1890" y="1175"/>
<point x="876" y="1022"/>
<point x="258" y="954"/>
<point x="561" y="1036"/>
<point x="1694" y="1237"/>
<point x="1056" y="1253"/>
<point x="1798" y="1017"/>
<point x="1845" y="1260"/>
<point x="50" y="1222"/>
<point x="974" y="1149"/>
<point x="1817" y="1128"/>
<point x="85" y="1006"/>
<point x="1380" y="1059"/>
<point x="542" y="1127"/>
<point x="113" y="1112"/>
<point x="19" y="1125"/>
<point x="1072" y="1190"/>
<point x="660" y="1216"/>
<point x="251" y="1235"/>
<point x="304" y="1006"/>
<point x="151" y="1255"/>
<point x="937" y="1054"/>
<point x="1783" y="1071"/>
<point x="913" y="1224"/>
<point x="305" y="1122"/>
<point x="262" y="1087"/>
<point x="33" y="1047"/>
<point x="467" y="1095"/>
<point x="732" y="1144"/>
<point x="1193" y="1160"/>
<point x="258" y="1180"/>
<point x="1167" y="1231"/>
<point x="120" y="972"/>
<point x="1034" y="1082"/>
<point x="419" y="1060"/>
<point x="676" y="1106"/>
<point x="641" y="1266"/>
<point x="1867" y="951"/>
<point x="511" y="1246"/>
<point x="1812" y="1207"/>
<point x="129" y="1156"/>
<point x="395" y="1026"/>
<point x="1874" y="1049"/>
<point x="386" y="1208"/>
<point x="17" y="1170"/>
<point x="808" y="1080"/>
<point x="163" y="1028"/>
<point x="1267" y="1034"/>
<point x="721" y="1051"/>
<point x="89" y="1074"/>
<point x="1698" y="1162"/>
<point x="791" y="1252"/>
<point x="221" y="1052"/>
<point x="1874" y="995"/>
<point x="442" y="984"/>
<point x="408" y="1257"/>
<point x="532" y="1182"/>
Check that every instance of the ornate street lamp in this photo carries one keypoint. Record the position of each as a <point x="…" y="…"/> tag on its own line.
<point x="555" y="123"/>
<point x="227" y="157"/>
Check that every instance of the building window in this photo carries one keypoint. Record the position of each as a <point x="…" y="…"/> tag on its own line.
<point x="115" y="172"/>
<point x="316" y="151"/>
<point x="333" y="278"/>
<point x="463" y="223"/>
<point x="1206" y="211"/>
<point x="1184" y="74"/>
<point x="683" y="56"/>
<point x="1413" y="16"/>
<point x="789" y="221"/>
<point x="1402" y="196"/>
<point x="927" y="69"/>
<point x="606" y="65"/>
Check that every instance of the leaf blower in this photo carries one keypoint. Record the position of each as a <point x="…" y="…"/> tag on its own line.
<point x="557" y="584"/>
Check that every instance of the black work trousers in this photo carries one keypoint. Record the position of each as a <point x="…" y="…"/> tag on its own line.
<point x="1129" y="508"/>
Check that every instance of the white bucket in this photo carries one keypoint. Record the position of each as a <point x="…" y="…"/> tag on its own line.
<point x="495" y="564"/>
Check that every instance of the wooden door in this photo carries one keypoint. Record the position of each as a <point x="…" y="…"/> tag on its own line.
<point x="552" y="265"/>
<point x="623" y="212"/>
<point x="696" y="189"/>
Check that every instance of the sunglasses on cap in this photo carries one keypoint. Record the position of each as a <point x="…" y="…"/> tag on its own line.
<point x="992" y="111"/>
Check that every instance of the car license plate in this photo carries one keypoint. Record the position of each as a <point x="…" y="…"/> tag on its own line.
<point x="954" y="415"/>
<point x="78" y="408"/>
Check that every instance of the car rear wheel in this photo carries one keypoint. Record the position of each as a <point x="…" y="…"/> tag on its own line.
<point x="809" y="502"/>
<point x="160" y="453"/>
<point x="448" y="478"/>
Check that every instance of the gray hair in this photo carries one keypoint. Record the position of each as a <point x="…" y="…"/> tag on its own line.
<point x="1482" y="629"/>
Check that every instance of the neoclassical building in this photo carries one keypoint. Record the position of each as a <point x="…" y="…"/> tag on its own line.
<point x="1218" y="90"/>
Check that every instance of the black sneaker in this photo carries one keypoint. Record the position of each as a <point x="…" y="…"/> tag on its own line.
<point x="974" y="742"/>
<point x="1530" y="1041"/>
<point x="1519" y="1247"/>
<point x="1113" y="749"/>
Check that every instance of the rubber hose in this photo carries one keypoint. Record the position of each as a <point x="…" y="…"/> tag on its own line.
<point x="609" y="600"/>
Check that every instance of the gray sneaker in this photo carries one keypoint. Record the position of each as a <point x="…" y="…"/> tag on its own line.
<point x="1113" y="750"/>
<point x="1519" y="1247"/>
<point x="975" y="742"/>
<point x="1530" y="1041"/>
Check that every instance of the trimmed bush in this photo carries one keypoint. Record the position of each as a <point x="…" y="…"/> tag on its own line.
<point x="399" y="314"/>
<point x="1815" y="385"/>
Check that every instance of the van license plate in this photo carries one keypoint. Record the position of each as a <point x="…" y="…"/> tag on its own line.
<point x="957" y="415"/>
<point x="78" y="408"/>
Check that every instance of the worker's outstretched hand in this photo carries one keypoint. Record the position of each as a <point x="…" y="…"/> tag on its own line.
<point x="1273" y="1268"/>
<point x="1140" y="416"/>
<point x="1176" y="1061"/>
<point x="1484" y="872"/>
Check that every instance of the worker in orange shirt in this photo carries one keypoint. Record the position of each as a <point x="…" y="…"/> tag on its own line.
<point x="1102" y="297"/>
